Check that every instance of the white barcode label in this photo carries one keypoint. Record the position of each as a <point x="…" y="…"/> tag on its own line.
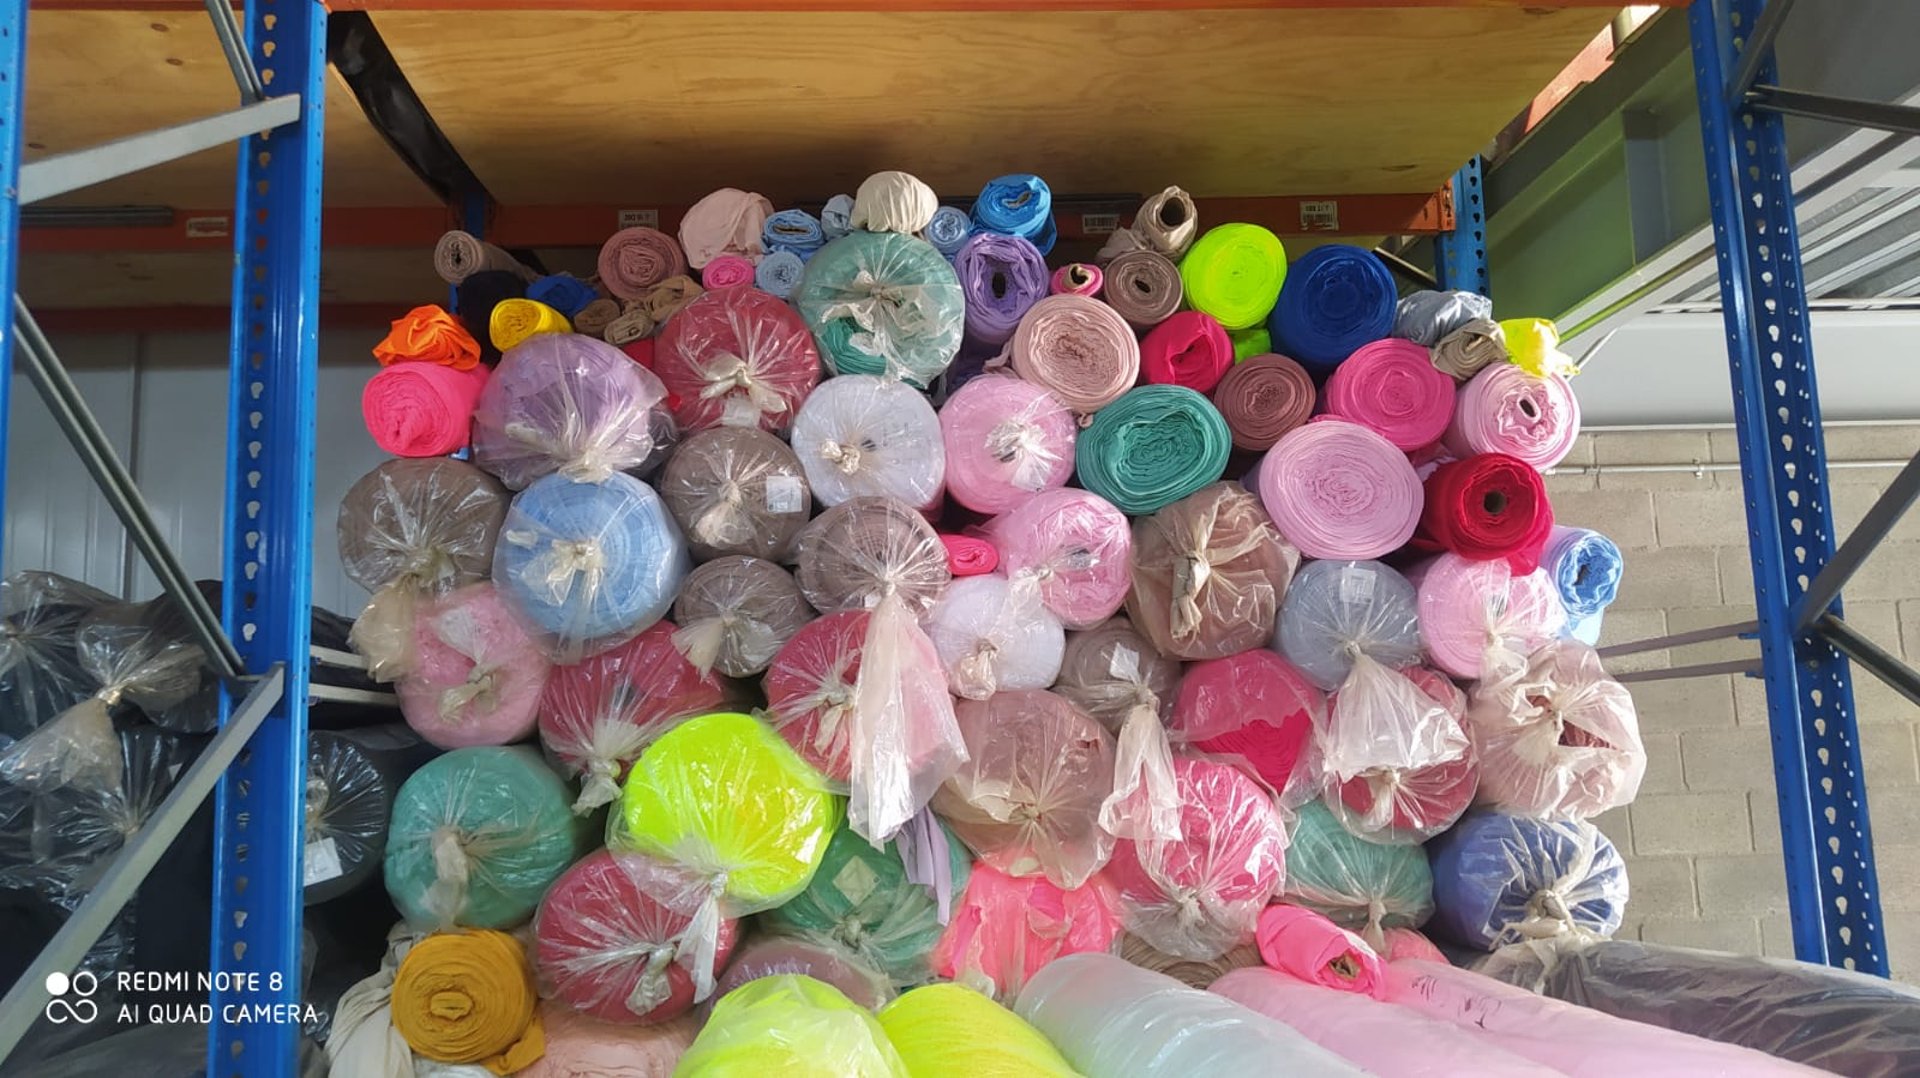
<point x="1321" y="216"/>
<point x="1099" y="224"/>
<point x="1125" y="664"/>
<point x="1356" y="585"/>
<point x="208" y="227"/>
<point x="323" y="862"/>
<point x="639" y="218"/>
<point x="783" y="494"/>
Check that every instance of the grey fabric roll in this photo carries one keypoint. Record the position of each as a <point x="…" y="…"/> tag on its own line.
<point x="1425" y="317"/>
<point x="736" y="490"/>
<point x="855" y="552"/>
<point x="735" y="614"/>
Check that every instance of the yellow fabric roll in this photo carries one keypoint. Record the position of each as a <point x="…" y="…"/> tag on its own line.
<point x="469" y="997"/>
<point x="950" y="1031"/>
<point x="514" y="320"/>
<point x="1533" y="344"/>
<point x="790" y="1026"/>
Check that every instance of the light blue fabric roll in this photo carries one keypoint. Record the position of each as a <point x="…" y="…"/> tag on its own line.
<point x="1586" y="569"/>
<point x="1018" y="204"/>
<point x="796" y="231"/>
<point x="1427" y="316"/>
<point x="883" y="303"/>
<point x="779" y="273"/>
<point x="1334" y="607"/>
<point x="949" y="229"/>
<point x="1587" y="631"/>
<point x="1493" y="873"/>
<point x="836" y="218"/>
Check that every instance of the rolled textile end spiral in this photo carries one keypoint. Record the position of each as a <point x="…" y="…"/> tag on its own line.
<point x="633" y="260"/>
<point x="1391" y="387"/>
<point x="726" y="271"/>
<point x="1262" y="398"/>
<point x="1235" y="273"/>
<point x="1487" y="506"/>
<point x="494" y="1023"/>
<point x="779" y="273"/>
<point x="1166" y="224"/>
<point x="1002" y="278"/>
<point x="421" y="409"/>
<point x="514" y="321"/>
<point x="1503" y="409"/>
<point x="1338" y="490"/>
<point x="1078" y="278"/>
<point x="459" y="255"/>
<point x="1472" y="348"/>
<point x="893" y="201"/>
<point x="1336" y="298"/>
<point x="1144" y="287"/>
<point x="1018" y="204"/>
<point x="1152" y="447"/>
<point x="1189" y="349"/>
<point x="1078" y="348"/>
<point x="794" y="231"/>
<point x="948" y="229"/>
<point x="727" y="221"/>
<point x="595" y="317"/>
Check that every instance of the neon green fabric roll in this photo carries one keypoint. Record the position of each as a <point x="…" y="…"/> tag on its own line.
<point x="1152" y="447"/>
<point x="949" y="1031"/>
<point x="1234" y="273"/>
<point x="1248" y="343"/>
<point x="790" y="1026"/>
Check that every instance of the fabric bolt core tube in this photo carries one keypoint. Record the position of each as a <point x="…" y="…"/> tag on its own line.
<point x="727" y="271"/>
<point x="476" y="676"/>
<point x="1152" y="447"/>
<point x="883" y="303"/>
<point x="1006" y="440"/>
<point x="1232" y="605"/>
<point x="1336" y="299"/>
<point x="422" y="409"/>
<point x="633" y="260"/>
<point x="468" y="997"/>
<point x="1338" y="490"/>
<point x="1002" y="277"/>
<point x="565" y="403"/>
<point x="1188" y="349"/>
<point x="737" y="490"/>
<point x="727" y="221"/>
<point x="1489" y="506"/>
<point x="1391" y="387"/>
<point x="867" y="436"/>
<point x="1144" y="288"/>
<point x="1469" y="608"/>
<point x="1018" y="204"/>
<point x="1074" y="547"/>
<point x="736" y="357"/>
<point x="1586" y="568"/>
<point x="1079" y="349"/>
<point x="1234" y="272"/>
<point x="948" y="230"/>
<point x="1503" y="409"/>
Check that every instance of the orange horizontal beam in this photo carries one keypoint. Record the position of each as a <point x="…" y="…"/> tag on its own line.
<point x="204" y="230"/>
<point x="765" y="6"/>
<point x="178" y="319"/>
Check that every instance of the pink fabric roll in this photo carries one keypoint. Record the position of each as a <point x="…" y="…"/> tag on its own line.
<point x="1391" y="387"/>
<point x="1503" y="409"/>
<point x="1077" y="279"/>
<point x="582" y="1047"/>
<point x="421" y="409"/>
<point x="1077" y="347"/>
<point x="1409" y="943"/>
<point x="1257" y="708"/>
<point x="476" y="676"/>
<point x="1075" y="547"/>
<point x="967" y="556"/>
<point x="727" y="271"/>
<point x="1470" y="607"/>
<point x="810" y="690"/>
<point x="1189" y="349"/>
<point x="607" y="939"/>
<point x="633" y="260"/>
<point x="1309" y="946"/>
<point x="728" y="221"/>
<point x="1338" y="490"/>
<point x="1200" y="895"/>
<point x="1558" y="738"/>
<point x="823" y="960"/>
<point x="736" y="357"/>
<point x="1006" y="928"/>
<point x="1006" y="440"/>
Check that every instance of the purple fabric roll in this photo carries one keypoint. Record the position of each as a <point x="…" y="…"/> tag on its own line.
<point x="1001" y="277"/>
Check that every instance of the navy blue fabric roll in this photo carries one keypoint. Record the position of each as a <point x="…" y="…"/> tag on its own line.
<point x="1335" y="299"/>
<point x="1499" y="879"/>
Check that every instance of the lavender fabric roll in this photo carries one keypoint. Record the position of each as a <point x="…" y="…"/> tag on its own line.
<point x="735" y="614"/>
<point x="861" y="435"/>
<point x="1074" y="548"/>
<point x="736" y="490"/>
<point x="993" y="636"/>
<point x="1078" y="348"/>
<point x="1338" y="490"/>
<point x="852" y="555"/>
<point x="1229" y="607"/>
<point x="561" y="402"/>
<point x="1002" y="276"/>
<point x="1503" y="409"/>
<point x="1006" y="440"/>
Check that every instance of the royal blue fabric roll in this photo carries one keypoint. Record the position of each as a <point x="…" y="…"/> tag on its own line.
<point x="589" y="565"/>
<point x="1017" y="204"/>
<point x="949" y="229"/>
<point x="1001" y="276"/>
<point x="793" y="230"/>
<point x="779" y="273"/>
<point x="836" y="218"/>
<point x="1335" y="299"/>
<point x="1499" y="878"/>
<point x="563" y="292"/>
<point x="1585" y="567"/>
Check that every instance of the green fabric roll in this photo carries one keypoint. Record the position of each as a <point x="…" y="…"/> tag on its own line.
<point x="1234" y="273"/>
<point x="861" y="898"/>
<point x="883" y="303"/>
<point x="1365" y="886"/>
<point x="1152" y="447"/>
<point x="1248" y="343"/>
<point x="477" y="836"/>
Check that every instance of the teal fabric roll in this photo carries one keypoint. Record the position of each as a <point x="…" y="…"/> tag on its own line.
<point x="1365" y="886"/>
<point x="883" y="303"/>
<point x="477" y="837"/>
<point x="1153" y="447"/>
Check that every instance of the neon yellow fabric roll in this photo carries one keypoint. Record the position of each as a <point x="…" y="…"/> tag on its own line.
<point x="1533" y="344"/>
<point x="1234" y="273"/>
<point x="1248" y="343"/>
<point x="790" y="1026"/>
<point x="950" y="1031"/>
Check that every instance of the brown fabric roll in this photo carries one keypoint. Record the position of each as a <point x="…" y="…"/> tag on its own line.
<point x="428" y="524"/>
<point x="633" y="324"/>
<point x="634" y="260"/>
<point x="736" y="490"/>
<point x="666" y="298"/>
<point x="735" y="614"/>
<point x="854" y="553"/>
<point x="1263" y="397"/>
<point x="1209" y="572"/>
<point x="460" y="255"/>
<point x="1144" y="287"/>
<point x="1467" y="350"/>
<point x="1194" y="974"/>
<point x="595" y="317"/>
<point x="1111" y="668"/>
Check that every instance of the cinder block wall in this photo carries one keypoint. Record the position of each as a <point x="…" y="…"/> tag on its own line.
<point x="1703" y="840"/>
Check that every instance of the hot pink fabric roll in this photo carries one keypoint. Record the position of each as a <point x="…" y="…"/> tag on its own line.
<point x="1558" y="738"/>
<point x="1189" y="349"/>
<point x="1075" y="547"/>
<point x="728" y="221"/>
<point x="1469" y="607"/>
<point x="1309" y="946"/>
<point x="1383" y="1038"/>
<point x="1572" y="1039"/>
<point x="1503" y="409"/>
<point x="967" y="556"/>
<point x="1006" y="928"/>
<point x="727" y="271"/>
<point x="1078" y="279"/>
<point x="736" y="357"/>
<point x="1391" y="387"/>
<point x="582" y="1047"/>
<point x="1200" y="895"/>
<point x="607" y="938"/>
<point x="1255" y="707"/>
<point x="1338" y="490"/>
<point x="1007" y="440"/>
<point x="421" y="409"/>
<point x="476" y="677"/>
<point x="810" y="690"/>
<point x="633" y="260"/>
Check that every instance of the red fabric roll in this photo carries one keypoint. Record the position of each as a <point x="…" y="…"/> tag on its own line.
<point x="1416" y="803"/>
<point x="1255" y="706"/>
<point x="641" y="352"/>
<point x="1189" y="349"/>
<point x="1485" y="508"/>
<point x="967" y="556"/>
<point x="421" y="409"/>
<point x="810" y="688"/>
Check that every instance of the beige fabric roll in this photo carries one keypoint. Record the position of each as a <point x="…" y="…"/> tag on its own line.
<point x="460" y="255"/>
<point x="1468" y="350"/>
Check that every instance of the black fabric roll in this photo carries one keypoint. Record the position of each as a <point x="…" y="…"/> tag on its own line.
<point x="40" y="673"/>
<point x="477" y="296"/>
<point x="352" y="776"/>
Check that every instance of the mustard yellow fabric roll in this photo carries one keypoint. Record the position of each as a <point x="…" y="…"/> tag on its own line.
<point x="790" y="1026"/>
<point x="514" y="320"/>
<point x="1533" y="344"/>
<point x="950" y="1031"/>
<point x="469" y="997"/>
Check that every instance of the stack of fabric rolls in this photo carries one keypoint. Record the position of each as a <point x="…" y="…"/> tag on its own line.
<point x="1217" y="610"/>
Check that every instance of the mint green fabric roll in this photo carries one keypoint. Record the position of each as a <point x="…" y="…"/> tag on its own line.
<point x="1152" y="447"/>
<point x="883" y="303"/>
<point x="1365" y="886"/>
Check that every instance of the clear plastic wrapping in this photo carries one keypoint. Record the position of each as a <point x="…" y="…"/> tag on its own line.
<point x="737" y="491"/>
<point x="1499" y="878"/>
<point x="476" y="677"/>
<point x="810" y="691"/>
<point x="1071" y="546"/>
<point x="794" y="1026"/>
<point x="1477" y="613"/>
<point x="1365" y="886"/>
<point x="737" y="357"/>
<point x="40" y="670"/>
<point x="1209" y="573"/>
<point x="562" y="402"/>
<point x="735" y="614"/>
<point x="1006" y="440"/>
<point x="353" y="778"/>
<point x="1114" y="674"/>
<point x="863" y="435"/>
<point x="994" y="636"/>
<point x="1556" y="736"/>
<point x="1008" y="928"/>
<point x="854" y="554"/>
<point x="1399" y="803"/>
<point x="1256" y="708"/>
<point x="883" y="304"/>
<point x="821" y="959"/>
<point x="583" y="1047"/>
<point x="1337" y="611"/>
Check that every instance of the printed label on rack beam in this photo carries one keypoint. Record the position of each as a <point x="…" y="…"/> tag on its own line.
<point x="1099" y="224"/>
<point x="323" y="862"/>
<point x="203" y="228"/>
<point x="639" y="218"/>
<point x="1321" y="216"/>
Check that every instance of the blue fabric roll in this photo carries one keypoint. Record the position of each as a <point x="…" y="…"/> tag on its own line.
<point x="1499" y="878"/>
<point x="1018" y="204"/>
<point x="589" y="564"/>
<point x="1336" y="298"/>
<point x="1587" y="630"/>
<point x="1585" y="567"/>
<point x="779" y="273"/>
<point x="793" y="230"/>
<point x="836" y="218"/>
<point x="949" y="229"/>
<point x="1334" y="607"/>
<point x="563" y="292"/>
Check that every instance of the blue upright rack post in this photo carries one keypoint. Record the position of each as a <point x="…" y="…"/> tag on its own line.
<point x="1831" y="887"/>
<point x="269" y="544"/>
<point x="13" y="79"/>
<point x="1460" y="256"/>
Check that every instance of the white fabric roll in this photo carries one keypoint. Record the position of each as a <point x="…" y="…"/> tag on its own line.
<point x="860" y="434"/>
<point x="993" y="635"/>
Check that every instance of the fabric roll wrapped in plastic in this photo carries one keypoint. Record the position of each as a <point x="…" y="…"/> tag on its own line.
<point x="723" y="797"/>
<point x="608" y="938"/>
<point x="588" y="565"/>
<point x="948" y="230"/>
<point x="866" y="900"/>
<point x="1308" y="946"/>
<point x="1263" y="397"/>
<point x="1209" y="574"/>
<point x="735" y="614"/>
<point x="564" y="403"/>
<point x="1585" y="567"/>
<point x="1008" y="928"/>
<point x="1427" y="316"/>
<point x="1152" y="447"/>
<point x="1472" y="612"/>
<point x="1557" y="737"/>
<point x="1027" y="798"/>
<point x="1190" y="972"/>
<point x="1470" y="349"/>
<point x="1368" y="887"/>
<point x="1337" y="611"/>
<point x="1188" y="349"/>
<point x="666" y="439"/>
<point x="1006" y="440"/>
<point x="724" y="222"/>
<point x="883" y="303"/>
<point x="578" y="1046"/>
<point x="1234" y="273"/>
<point x="422" y="409"/>
<point x="476" y="675"/>
<point x="1486" y="507"/>
<point x="598" y="715"/>
<point x="1199" y="895"/>
<point x="478" y="835"/>
<point x="1500" y="878"/>
<point x="1113" y="1020"/>
<point x="793" y="230"/>
<point x="1339" y="490"/>
<point x="633" y="260"/>
<point x="1336" y="299"/>
<point x="790" y="1025"/>
<point x="1078" y="349"/>
<point x="861" y="435"/>
<point x="952" y="1029"/>
<point x="736" y="491"/>
<point x="1144" y="288"/>
<point x="1503" y="409"/>
<point x="1017" y="204"/>
<point x="810" y="689"/>
<point x="853" y="555"/>
<point x="821" y="959"/>
<point x="1111" y="669"/>
<point x="994" y="636"/>
<point x="468" y="997"/>
<point x="353" y="778"/>
<point x="1255" y="707"/>
<point x="1392" y="388"/>
<point x="1397" y="803"/>
<point x="737" y="357"/>
<point x="1002" y="276"/>
<point x="41" y="674"/>
<point x="1380" y="726"/>
<point x="1074" y="548"/>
